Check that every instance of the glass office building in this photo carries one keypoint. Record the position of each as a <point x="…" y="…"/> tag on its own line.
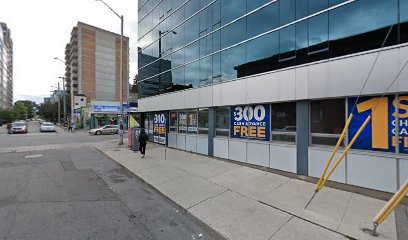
<point x="272" y="83"/>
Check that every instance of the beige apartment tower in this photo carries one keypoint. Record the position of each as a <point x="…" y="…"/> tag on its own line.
<point x="94" y="54"/>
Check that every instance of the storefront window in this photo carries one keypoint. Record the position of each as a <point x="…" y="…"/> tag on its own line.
<point x="173" y="122"/>
<point x="182" y="120"/>
<point x="327" y="121"/>
<point x="222" y="122"/>
<point x="203" y="121"/>
<point x="150" y="131"/>
<point x="192" y="121"/>
<point x="283" y="122"/>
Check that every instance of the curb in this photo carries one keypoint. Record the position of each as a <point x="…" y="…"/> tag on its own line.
<point x="215" y="234"/>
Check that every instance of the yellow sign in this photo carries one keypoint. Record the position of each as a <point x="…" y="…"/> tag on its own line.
<point x="133" y="122"/>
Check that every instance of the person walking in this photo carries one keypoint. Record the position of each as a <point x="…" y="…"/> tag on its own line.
<point x="142" y="140"/>
<point x="70" y="125"/>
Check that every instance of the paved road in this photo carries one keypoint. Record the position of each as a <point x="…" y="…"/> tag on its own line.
<point x="34" y="137"/>
<point x="79" y="193"/>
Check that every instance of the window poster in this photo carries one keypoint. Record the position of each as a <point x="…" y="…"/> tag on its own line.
<point x="159" y="128"/>
<point x="251" y="122"/>
<point x="182" y="121"/>
<point x="384" y="131"/>
<point x="192" y="122"/>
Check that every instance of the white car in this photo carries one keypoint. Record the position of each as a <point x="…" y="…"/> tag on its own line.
<point x="47" y="127"/>
<point x="107" y="129"/>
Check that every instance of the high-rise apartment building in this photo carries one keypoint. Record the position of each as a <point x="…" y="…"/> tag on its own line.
<point x="272" y="83"/>
<point x="94" y="54"/>
<point x="6" y="67"/>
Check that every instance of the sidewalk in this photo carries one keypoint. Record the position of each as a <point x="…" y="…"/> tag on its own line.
<point x="239" y="202"/>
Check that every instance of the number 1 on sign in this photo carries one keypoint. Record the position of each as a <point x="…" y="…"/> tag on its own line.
<point x="379" y="126"/>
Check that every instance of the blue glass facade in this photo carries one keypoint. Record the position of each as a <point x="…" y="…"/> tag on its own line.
<point x="187" y="44"/>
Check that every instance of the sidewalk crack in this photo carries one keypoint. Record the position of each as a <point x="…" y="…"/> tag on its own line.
<point x="345" y="210"/>
<point x="208" y="199"/>
<point x="281" y="227"/>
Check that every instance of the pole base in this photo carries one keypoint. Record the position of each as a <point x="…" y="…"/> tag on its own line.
<point x="372" y="232"/>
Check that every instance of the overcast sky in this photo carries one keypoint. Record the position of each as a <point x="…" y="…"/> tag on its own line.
<point x="40" y="29"/>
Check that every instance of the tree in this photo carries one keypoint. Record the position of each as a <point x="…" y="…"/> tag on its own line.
<point x="48" y="111"/>
<point x="21" y="110"/>
<point x="7" y="115"/>
<point x="133" y="89"/>
<point x="31" y="107"/>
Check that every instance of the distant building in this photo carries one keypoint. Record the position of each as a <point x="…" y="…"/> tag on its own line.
<point x="47" y="100"/>
<point x="56" y="94"/>
<point x="94" y="54"/>
<point x="79" y="101"/>
<point x="6" y="67"/>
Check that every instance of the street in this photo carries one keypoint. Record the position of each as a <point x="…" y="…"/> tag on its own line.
<point x="34" y="137"/>
<point x="76" y="192"/>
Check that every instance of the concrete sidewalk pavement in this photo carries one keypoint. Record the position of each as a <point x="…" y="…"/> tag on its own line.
<point x="239" y="202"/>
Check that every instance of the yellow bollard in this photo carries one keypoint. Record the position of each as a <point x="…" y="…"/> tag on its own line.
<point x="334" y="151"/>
<point x="390" y="206"/>
<point x="360" y="130"/>
<point x="392" y="203"/>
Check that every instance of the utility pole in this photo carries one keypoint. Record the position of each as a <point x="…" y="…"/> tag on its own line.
<point x="121" y="119"/>
<point x="59" y="105"/>
<point x="64" y="98"/>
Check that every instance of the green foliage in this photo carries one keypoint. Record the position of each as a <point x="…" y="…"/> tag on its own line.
<point x="31" y="107"/>
<point x="7" y="116"/>
<point x="21" y="110"/>
<point x="48" y="111"/>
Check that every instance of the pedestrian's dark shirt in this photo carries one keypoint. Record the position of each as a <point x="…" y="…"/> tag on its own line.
<point x="142" y="138"/>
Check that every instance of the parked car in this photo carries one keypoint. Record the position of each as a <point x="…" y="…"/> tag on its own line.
<point x="18" y="127"/>
<point x="47" y="127"/>
<point x="107" y="129"/>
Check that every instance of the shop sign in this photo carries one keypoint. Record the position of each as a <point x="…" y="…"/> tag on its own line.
<point x="98" y="108"/>
<point x="192" y="122"/>
<point x="160" y="128"/>
<point x="250" y="122"/>
<point x="380" y="132"/>
<point x="182" y="121"/>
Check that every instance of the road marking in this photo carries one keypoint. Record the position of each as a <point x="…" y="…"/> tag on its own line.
<point x="34" y="156"/>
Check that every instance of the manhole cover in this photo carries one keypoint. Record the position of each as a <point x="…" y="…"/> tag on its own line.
<point x="33" y="156"/>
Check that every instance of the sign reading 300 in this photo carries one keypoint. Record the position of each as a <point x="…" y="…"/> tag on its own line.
<point x="250" y="122"/>
<point x="380" y="133"/>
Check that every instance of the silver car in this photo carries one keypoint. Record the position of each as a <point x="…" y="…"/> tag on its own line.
<point x="107" y="129"/>
<point x="47" y="127"/>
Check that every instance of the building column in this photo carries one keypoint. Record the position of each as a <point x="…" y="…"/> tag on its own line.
<point x="302" y="137"/>
<point x="211" y="130"/>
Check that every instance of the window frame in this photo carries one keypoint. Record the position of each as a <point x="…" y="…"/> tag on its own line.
<point x="223" y="130"/>
<point x="202" y="130"/>
<point x="282" y="133"/>
<point x="327" y="135"/>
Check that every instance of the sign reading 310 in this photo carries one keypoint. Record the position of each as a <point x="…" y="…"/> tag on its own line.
<point x="251" y="121"/>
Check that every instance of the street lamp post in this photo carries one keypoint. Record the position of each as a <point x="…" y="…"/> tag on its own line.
<point x="71" y="86"/>
<point x="59" y="105"/>
<point x="121" y="127"/>
<point x="64" y="98"/>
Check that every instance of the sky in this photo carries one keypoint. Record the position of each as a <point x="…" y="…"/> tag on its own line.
<point x="40" y="29"/>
